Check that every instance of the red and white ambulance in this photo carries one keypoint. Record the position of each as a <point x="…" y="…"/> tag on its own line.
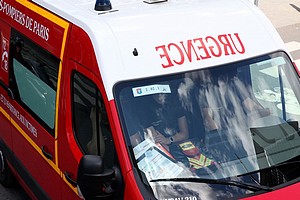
<point x="147" y="99"/>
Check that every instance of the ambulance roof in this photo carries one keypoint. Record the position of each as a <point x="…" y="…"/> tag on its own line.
<point x="169" y="37"/>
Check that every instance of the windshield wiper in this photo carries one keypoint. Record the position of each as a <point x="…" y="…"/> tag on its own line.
<point x="248" y="186"/>
<point x="271" y="167"/>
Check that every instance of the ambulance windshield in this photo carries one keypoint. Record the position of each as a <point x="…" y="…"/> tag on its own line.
<point x="215" y="133"/>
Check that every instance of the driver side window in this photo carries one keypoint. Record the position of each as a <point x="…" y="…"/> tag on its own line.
<point x="91" y="127"/>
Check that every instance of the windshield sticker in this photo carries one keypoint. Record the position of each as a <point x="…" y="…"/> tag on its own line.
<point x="150" y="89"/>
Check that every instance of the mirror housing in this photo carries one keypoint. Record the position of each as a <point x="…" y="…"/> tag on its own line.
<point x="93" y="180"/>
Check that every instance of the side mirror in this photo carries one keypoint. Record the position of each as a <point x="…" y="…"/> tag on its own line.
<point x="93" y="180"/>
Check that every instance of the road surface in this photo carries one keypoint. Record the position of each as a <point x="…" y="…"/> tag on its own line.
<point x="285" y="16"/>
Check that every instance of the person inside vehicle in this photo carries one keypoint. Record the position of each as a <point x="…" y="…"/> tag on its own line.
<point x="214" y="99"/>
<point x="198" y="95"/>
<point x="164" y="120"/>
<point x="237" y="99"/>
<point x="171" y="125"/>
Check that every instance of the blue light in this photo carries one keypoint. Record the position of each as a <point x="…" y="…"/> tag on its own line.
<point x="103" y="5"/>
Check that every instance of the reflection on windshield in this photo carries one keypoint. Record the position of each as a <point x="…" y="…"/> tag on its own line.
<point x="218" y="123"/>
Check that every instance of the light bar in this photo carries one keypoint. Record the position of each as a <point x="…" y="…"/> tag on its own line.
<point x="103" y="5"/>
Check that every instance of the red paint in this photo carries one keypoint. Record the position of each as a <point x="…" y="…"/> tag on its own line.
<point x="46" y="33"/>
<point x="291" y="192"/>
<point x="197" y="49"/>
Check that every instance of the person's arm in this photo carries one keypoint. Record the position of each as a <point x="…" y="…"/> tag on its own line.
<point x="248" y="103"/>
<point x="183" y="133"/>
<point x="209" y="123"/>
<point x="252" y="106"/>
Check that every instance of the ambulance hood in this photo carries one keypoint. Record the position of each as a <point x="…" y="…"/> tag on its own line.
<point x="136" y="39"/>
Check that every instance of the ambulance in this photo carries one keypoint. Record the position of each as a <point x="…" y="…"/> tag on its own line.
<point x="147" y="99"/>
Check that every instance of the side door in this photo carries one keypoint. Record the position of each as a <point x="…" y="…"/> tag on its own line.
<point x="33" y="78"/>
<point x="36" y="49"/>
<point x="87" y="125"/>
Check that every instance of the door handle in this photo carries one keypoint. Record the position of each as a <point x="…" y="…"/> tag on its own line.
<point x="46" y="154"/>
<point x="7" y="89"/>
<point x="69" y="179"/>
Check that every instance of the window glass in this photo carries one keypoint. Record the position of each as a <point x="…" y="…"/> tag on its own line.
<point x="90" y="119"/>
<point x="33" y="79"/>
<point x="35" y="93"/>
<point x="216" y="129"/>
<point x="273" y="89"/>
